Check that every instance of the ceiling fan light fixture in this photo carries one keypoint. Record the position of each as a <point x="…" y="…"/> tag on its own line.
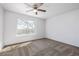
<point x="34" y="10"/>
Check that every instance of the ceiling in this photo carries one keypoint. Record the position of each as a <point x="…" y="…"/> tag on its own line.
<point x="53" y="9"/>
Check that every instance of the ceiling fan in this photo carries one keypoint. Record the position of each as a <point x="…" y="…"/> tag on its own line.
<point x="35" y="7"/>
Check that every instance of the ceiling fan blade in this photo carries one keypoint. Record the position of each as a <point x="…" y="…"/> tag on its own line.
<point x="41" y="10"/>
<point x="28" y="5"/>
<point x="41" y="4"/>
<point x="37" y="5"/>
<point x="29" y="10"/>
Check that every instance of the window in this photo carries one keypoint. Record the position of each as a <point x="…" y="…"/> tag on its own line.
<point x="25" y="27"/>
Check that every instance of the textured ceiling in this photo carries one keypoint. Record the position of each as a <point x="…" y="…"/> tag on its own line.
<point x="53" y="9"/>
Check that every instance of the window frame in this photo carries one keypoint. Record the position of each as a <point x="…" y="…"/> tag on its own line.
<point x="32" y="33"/>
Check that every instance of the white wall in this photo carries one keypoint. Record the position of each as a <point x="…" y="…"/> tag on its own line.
<point x="1" y="26"/>
<point x="10" y="28"/>
<point x="64" y="28"/>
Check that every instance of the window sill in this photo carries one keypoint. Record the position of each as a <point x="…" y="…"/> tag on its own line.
<point x="25" y="35"/>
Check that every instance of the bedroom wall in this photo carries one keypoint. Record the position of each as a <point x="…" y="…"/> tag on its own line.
<point x="10" y="28"/>
<point x="64" y="28"/>
<point x="1" y="26"/>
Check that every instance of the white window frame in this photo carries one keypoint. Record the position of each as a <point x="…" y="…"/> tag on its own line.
<point x="26" y="33"/>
